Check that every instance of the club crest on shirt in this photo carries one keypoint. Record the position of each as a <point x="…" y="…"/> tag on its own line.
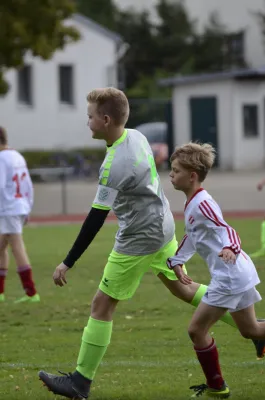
<point x="103" y="194"/>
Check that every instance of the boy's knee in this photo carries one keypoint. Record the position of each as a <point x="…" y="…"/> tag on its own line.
<point x="103" y="306"/>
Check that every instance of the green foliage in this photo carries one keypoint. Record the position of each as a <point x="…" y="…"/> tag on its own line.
<point x="170" y="46"/>
<point x="36" y="159"/>
<point x="35" y="26"/>
<point x="103" y="12"/>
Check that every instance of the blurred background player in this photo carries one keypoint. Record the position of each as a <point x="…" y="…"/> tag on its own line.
<point x="261" y="251"/>
<point x="233" y="275"/>
<point x="128" y="184"/>
<point x="16" y="200"/>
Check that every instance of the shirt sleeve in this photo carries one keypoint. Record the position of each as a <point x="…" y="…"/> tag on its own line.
<point x="184" y="252"/>
<point x="30" y="191"/>
<point x="115" y="177"/>
<point x="92" y="224"/>
<point x="213" y="219"/>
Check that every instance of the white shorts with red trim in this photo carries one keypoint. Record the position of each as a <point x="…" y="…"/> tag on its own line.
<point x="232" y="302"/>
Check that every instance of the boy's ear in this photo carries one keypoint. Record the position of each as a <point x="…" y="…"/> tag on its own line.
<point x="106" y="119"/>
<point x="193" y="176"/>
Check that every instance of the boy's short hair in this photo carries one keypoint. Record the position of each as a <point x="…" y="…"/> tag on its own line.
<point x="197" y="157"/>
<point x="3" y="136"/>
<point x="112" y="102"/>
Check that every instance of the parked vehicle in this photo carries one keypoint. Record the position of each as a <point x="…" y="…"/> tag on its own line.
<point x="156" y="134"/>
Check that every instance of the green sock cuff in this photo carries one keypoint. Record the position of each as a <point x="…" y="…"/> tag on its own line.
<point x="263" y="233"/>
<point x="198" y="295"/>
<point x="97" y="332"/>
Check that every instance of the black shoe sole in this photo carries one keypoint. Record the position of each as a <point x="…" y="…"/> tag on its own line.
<point x="77" y="397"/>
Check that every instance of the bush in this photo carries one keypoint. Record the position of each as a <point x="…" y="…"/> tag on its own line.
<point x="40" y="158"/>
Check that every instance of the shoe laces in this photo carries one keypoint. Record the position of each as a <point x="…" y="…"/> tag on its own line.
<point x="61" y="378"/>
<point x="199" y="389"/>
<point x="69" y="375"/>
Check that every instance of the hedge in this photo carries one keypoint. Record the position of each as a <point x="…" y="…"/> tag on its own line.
<point x="40" y="158"/>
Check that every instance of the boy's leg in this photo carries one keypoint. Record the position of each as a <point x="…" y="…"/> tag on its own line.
<point x="192" y="293"/>
<point x="23" y="267"/>
<point x="261" y="251"/>
<point x="121" y="278"/>
<point x="204" y="345"/>
<point x="97" y="335"/>
<point x="4" y="261"/>
<point x="245" y="316"/>
<point x="95" y="340"/>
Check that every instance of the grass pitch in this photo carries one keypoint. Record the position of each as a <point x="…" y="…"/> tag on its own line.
<point x="150" y="356"/>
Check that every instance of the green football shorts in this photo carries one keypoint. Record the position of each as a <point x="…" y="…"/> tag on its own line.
<point x="123" y="273"/>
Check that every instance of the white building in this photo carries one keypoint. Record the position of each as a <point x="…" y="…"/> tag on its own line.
<point x="46" y="107"/>
<point x="237" y="16"/>
<point x="226" y="109"/>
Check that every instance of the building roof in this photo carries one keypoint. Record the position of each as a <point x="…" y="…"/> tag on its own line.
<point x="240" y="74"/>
<point x="97" y="27"/>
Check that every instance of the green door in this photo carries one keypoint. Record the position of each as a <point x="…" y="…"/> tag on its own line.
<point x="203" y="117"/>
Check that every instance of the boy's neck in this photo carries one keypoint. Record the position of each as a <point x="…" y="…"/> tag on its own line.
<point x="191" y="192"/>
<point x="114" y="135"/>
<point x="3" y="147"/>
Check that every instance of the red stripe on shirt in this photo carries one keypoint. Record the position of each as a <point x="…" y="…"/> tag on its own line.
<point x="181" y="244"/>
<point x="232" y="234"/>
<point x="205" y="213"/>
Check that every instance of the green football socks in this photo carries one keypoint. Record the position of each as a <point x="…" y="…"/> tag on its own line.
<point x="95" y="340"/>
<point x="261" y="251"/>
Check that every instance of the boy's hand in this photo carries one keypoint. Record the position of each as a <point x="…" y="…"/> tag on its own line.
<point x="59" y="275"/>
<point x="182" y="277"/>
<point x="259" y="186"/>
<point x="228" y="256"/>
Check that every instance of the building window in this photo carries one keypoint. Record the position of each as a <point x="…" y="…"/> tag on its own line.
<point x="234" y="49"/>
<point x="24" y="77"/>
<point x="66" y="84"/>
<point x="250" y="120"/>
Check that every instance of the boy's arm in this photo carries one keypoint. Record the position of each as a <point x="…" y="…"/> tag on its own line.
<point x="213" y="219"/>
<point x="184" y="252"/>
<point x="3" y="176"/>
<point x="101" y="206"/>
<point x="30" y="191"/>
<point x="92" y="224"/>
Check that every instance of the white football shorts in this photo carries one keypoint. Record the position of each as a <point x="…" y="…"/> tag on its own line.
<point x="11" y="224"/>
<point x="233" y="302"/>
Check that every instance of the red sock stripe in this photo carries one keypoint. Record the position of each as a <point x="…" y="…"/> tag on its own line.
<point x="205" y="348"/>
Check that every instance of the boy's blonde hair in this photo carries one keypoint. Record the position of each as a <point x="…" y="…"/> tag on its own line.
<point x="111" y="102"/>
<point x="3" y="136"/>
<point x="197" y="157"/>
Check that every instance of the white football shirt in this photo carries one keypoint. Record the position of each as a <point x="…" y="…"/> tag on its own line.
<point x="207" y="234"/>
<point x="16" y="189"/>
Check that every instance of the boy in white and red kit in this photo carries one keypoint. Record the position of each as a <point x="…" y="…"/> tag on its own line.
<point x="233" y="274"/>
<point x="16" y="200"/>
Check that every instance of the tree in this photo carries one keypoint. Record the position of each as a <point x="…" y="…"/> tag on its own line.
<point x="175" y="35"/>
<point x="141" y="57"/>
<point x="172" y="45"/>
<point x="32" y="25"/>
<point x="214" y="50"/>
<point x="103" y="12"/>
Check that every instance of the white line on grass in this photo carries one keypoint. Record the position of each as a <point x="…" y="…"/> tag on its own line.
<point x="126" y="363"/>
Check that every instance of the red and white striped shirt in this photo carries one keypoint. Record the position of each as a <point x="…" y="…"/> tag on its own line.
<point x="207" y="234"/>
